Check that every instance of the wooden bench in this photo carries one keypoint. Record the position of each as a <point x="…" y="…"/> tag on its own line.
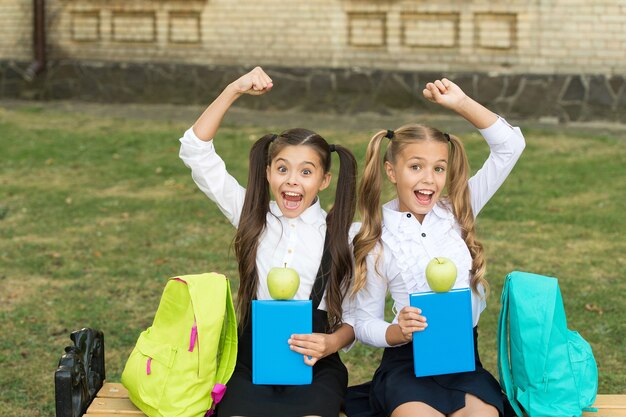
<point x="81" y="389"/>
<point x="112" y="401"/>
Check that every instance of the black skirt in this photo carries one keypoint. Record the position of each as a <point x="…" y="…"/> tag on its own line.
<point x="323" y="397"/>
<point x="395" y="383"/>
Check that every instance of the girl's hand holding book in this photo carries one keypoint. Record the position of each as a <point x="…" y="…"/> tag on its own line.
<point x="314" y="346"/>
<point x="410" y="320"/>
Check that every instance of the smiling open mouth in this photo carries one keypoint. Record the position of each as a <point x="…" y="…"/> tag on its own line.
<point x="291" y="200"/>
<point x="424" y="197"/>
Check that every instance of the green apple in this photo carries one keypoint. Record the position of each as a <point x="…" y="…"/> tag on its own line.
<point x="283" y="282"/>
<point x="441" y="274"/>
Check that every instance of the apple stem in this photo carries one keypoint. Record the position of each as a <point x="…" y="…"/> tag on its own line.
<point x="285" y="265"/>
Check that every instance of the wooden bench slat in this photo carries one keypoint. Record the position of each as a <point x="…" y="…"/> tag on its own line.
<point x="608" y="405"/>
<point x="103" y="405"/>
<point x="607" y="412"/>
<point x="611" y="401"/>
<point x="112" y="401"/>
<point x="112" y="390"/>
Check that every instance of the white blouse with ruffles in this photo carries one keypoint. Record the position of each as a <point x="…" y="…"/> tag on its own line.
<point x="408" y="245"/>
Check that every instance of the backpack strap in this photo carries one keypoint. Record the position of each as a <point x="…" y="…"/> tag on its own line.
<point x="228" y="342"/>
<point x="218" y="311"/>
<point x="504" y="362"/>
<point x="228" y="356"/>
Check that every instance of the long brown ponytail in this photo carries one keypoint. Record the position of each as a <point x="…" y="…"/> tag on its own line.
<point x="338" y="222"/>
<point x="251" y="224"/>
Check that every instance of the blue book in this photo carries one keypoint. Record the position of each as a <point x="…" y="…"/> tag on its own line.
<point x="273" y="323"/>
<point x="446" y="346"/>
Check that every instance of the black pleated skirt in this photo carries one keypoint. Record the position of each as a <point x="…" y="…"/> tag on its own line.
<point x="394" y="383"/>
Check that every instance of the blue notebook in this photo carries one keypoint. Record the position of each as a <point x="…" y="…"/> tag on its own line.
<point x="446" y="346"/>
<point x="273" y="323"/>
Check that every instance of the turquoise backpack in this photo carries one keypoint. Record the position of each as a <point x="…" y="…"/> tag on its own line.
<point x="180" y="365"/>
<point x="545" y="369"/>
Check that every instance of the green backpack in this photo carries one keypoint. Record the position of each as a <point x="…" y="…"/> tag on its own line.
<point x="545" y="369"/>
<point x="180" y="365"/>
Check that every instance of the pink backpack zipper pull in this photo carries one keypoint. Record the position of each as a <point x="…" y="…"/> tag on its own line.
<point x="194" y="336"/>
<point x="148" y="370"/>
<point x="217" y="394"/>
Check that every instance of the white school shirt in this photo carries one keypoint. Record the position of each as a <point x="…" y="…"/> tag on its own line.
<point x="297" y="242"/>
<point x="407" y="246"/>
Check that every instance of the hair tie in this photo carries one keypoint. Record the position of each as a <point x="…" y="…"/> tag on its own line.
<point x="447" y="136"/>
<point x="390" y="134"/>
<point x="274" y="136"/>
<point x="332" y="148"/>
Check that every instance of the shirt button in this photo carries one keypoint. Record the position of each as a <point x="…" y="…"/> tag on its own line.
<point x="290" y="250"/>
<point x="408" y="215"/>
<point x="423" y="234"/>
<point x="292" y="225"/>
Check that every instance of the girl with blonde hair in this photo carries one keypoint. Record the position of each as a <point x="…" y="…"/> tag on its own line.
<point x="433" y="215"/>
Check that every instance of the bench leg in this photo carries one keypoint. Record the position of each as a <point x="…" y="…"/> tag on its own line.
<point x="80" y="373"/>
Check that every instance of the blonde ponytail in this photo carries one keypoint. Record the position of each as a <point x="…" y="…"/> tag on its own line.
<point x="368" y="205"/>
<point x="459" y="197"/>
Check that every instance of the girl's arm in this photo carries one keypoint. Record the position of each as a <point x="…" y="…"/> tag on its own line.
<point x="371" y="327"/>
<point x="506" y="142"/>
<point x="449" y="95"/>
<point x="255" y="83"/>
<point x="198" y="153"/>
<point x="409" y="320"/>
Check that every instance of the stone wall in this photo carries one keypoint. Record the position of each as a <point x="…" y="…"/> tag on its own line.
<point x="566" y="53"/>
<point x="563" y="98"/>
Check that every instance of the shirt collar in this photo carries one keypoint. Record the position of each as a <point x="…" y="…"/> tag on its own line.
<point x="443" y="210"/>
<point x="311" y="215"/>
<point x="392" y="217"/>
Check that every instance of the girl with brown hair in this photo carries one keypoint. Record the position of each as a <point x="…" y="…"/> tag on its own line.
<point x="433" y="215"/>
<point x="291" y="229"/>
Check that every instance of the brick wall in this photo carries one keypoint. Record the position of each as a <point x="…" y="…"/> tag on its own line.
<point x="562" y="59"/>
<point x="16" y="30"/>
<point x="515" y="36"/>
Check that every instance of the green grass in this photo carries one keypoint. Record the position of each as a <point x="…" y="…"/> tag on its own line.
<point x="96" y="213"/>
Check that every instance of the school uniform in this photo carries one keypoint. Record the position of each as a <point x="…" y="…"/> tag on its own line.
<point x="299" y="243"/>
<point x="405" y="249"/>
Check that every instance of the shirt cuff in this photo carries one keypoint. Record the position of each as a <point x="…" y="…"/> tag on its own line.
<point x="498" y="132"/>
<point x="191" y="138"/>
<point x="378" y="334"/>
